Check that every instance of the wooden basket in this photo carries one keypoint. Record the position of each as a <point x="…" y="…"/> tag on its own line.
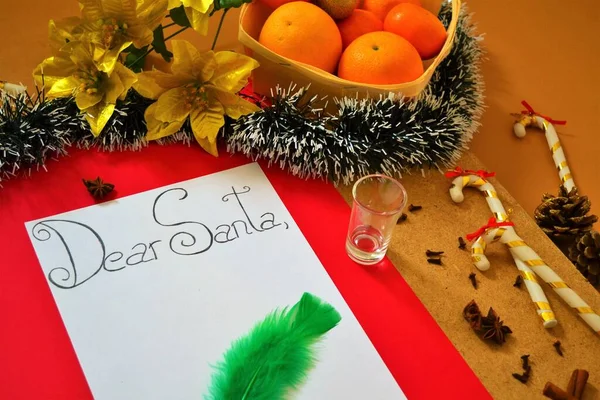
<point x="277" y="70"/>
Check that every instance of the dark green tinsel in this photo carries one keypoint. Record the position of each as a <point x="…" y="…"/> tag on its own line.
<point x="383" y="135"/>
<point x="31" y="130"/>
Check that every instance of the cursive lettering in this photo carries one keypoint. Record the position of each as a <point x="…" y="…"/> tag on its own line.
<point x="70" y="277"/>
<point x="191" y="238"/>
<point x="186" y="239"/>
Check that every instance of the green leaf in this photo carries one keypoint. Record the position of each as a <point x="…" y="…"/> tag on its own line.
<point x="219" y="4"/>
<point x="159" y="44"/>
<point x="135" y="58"/>
<point x="178" y="16"/>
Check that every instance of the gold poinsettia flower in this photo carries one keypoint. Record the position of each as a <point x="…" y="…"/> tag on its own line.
<point x="73" y="72"/>
<point x="202" y="87"/>
<point x="111" y="26"/>
<point x="197" y="11"/>
<point x="62" y="32"/>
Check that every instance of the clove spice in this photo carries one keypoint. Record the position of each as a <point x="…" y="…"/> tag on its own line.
<point x="524" y="377"/>
<point x="434" y="257"/>
<point x="556" y="345"/>
<point x="413" y="208"/>
<point x="402" y="218"/>
<point x="518" y="281"/>
<point x="525" y="362"/>
<point x="432" y="253"/>
<point x="473" y="279"/>
<point x="461" y="243"/>
<point x="521" y="377"/>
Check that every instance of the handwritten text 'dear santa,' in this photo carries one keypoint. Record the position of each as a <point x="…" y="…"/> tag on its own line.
<point x="192" y="238"/>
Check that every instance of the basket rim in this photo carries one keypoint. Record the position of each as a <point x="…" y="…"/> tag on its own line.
<point x="312" y="72"/>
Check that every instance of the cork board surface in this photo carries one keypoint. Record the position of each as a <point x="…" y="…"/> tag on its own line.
<point x="445" y="290"/>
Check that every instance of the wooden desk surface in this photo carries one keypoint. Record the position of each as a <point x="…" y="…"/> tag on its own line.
<point x="545" y="52"/>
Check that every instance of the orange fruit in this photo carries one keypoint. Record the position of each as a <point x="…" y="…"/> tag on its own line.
<point x="380" y="58"/>
<point x="357" y="24"/>
<point x="419" y="26"/>
<point x="303" y="32"/>
<point x="382" y="7"/>
<point x="277" y="3"/>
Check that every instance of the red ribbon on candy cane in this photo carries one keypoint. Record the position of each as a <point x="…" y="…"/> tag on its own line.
<point x="458" y="171"/>
<point x="529" y="110"/>
<point x="492" y="223"/>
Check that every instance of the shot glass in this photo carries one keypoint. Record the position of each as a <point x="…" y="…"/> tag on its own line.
<point x="378" y="203"/>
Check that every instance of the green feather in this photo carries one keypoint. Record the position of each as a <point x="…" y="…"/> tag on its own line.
<point x="276" y="355"/>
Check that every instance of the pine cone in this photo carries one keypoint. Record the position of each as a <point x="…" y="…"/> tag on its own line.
<point x="585" y="254"/>
<point x="564" y="216"/>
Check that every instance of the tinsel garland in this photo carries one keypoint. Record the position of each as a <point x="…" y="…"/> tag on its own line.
<point x="385" y="135"/>
<point x="31" y="130"/>
<point x="382" y="135"/>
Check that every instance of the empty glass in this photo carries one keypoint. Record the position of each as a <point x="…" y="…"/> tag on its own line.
<point x="378" y="203"/>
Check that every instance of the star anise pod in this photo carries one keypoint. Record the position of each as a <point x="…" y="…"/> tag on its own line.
<point x="472" y="314"/>
<point x="98" y="188"/>
<point x="493" y="328"/>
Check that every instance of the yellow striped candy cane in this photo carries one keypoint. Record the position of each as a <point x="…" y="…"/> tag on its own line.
<point x="527" y="256"/>
<point x="531" y="118"/>
<point x="503" y="231"/>
<point x="12" y="88"/>
<point x="477" y="179"/>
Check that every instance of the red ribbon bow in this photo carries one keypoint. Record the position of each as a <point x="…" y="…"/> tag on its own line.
<point x="529" y="110"/>
<point x="492" y="223"/>
<point x="458" y="171"/>
<point x="248" y="93"/>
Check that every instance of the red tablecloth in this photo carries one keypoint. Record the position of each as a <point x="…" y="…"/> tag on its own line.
<point x="37" y="360"/>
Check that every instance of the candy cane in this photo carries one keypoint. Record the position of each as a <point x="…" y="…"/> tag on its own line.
<point x="478" y="179"/>
<point x="526" y="255"/>
<point x="531" y="118"/>
<point x="12" y="88"/>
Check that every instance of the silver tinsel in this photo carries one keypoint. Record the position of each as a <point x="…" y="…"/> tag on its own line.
<point x="31" y="130"/>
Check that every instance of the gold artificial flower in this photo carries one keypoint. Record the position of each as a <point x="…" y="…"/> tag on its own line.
<point x="111" y="26"/>
<point x="73" y="72"/>
<point x="203" y="87"/>
<point x="197" y="11"/>
<point x="62" y="32"/>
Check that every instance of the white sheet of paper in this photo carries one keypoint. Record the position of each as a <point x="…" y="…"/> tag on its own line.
<point x="148" y="318"/>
